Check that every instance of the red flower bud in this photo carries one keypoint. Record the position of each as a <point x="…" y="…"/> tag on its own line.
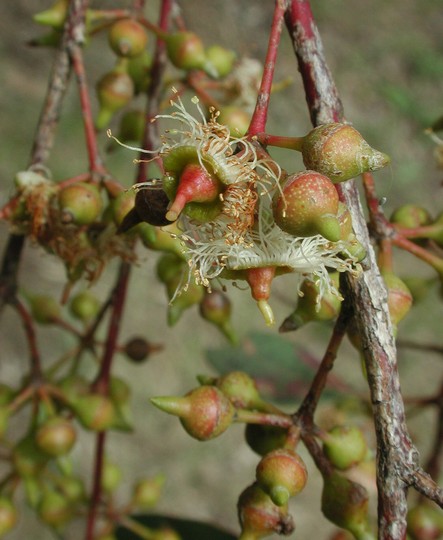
<point x="127" y="38"/>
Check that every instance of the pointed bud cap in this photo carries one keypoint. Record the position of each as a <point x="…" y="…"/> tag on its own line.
<point x="338" y="151"/>
<point x="205" y="412"/>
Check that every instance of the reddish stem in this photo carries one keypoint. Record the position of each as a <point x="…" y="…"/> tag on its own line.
<point x="259" y="117"/>
<point x="290" y="143"/>
<point x="150" y="138"/>
<point x="95" y="162"/>
<point x="96" y="488"/>
<point x="28" y="324"/>
<point x="421" y="253"/>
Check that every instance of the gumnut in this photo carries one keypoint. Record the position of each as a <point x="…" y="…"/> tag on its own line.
<point x="216" y="308"/>
<point x="241" y="389"/>
<point x="345" y="503"/>
<point x="84" y="306"/>
<point x="27" y="457"/>
<point x="138" y="349"/>
<point x="425" y="522"/>
<point x="260" y="281"/>
<point x="127" y="38"/>
<point x="399" y="297"/>
<point x="8" y="515"/>
<point x="147" y="492"/>
<point x="344" y="446"/>
<point x="114" y="90"/>
<point x="44" y="308"/>
<point x="54" y="509"/>
<point x="263" y="439"/>
<point x="205" y="412"/>
<point x="411" y="216"/>
<point x="79" y="203"/>
<point x="311" y="307"/>
<point x="260" y="517"/>
<point x="339" y="151"/>
<point x="56" y="436"/>
<point x="236" y="118"/>
<point x="221" y="59"/>
<point x="186" y="51"/>
<point x="308" y="206"/>
<point x="54" y="16"/>
<point x="150" y="206"/>
<point x="94" y="411"/>
<point x="281" y="474"/>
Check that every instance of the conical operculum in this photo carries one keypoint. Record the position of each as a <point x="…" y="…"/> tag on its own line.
<point x="308" y="206"/>
<point x="340" y="152"/>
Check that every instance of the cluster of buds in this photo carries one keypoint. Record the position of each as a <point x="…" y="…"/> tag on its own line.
<point x="241" y="218"/>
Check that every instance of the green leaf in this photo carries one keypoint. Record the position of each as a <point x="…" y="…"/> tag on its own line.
<point x="186" y="528"/>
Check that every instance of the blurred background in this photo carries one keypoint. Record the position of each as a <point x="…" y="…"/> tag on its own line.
<point x="387" y="60"/>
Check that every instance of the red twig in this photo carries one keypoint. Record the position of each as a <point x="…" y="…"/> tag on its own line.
<point x="96" y="487"/>
<point x="259" y="117"/>
<point x="28" y="324"/>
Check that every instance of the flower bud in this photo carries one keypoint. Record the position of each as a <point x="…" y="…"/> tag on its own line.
<point x="260" y="517"/>
<point x="79" y="203"/>
<point x="132" y="126"/>
<point x="84" y="306"/>
<point x="399" y="297"/>
<point x="260" y="280"/>
<point x="354" y="248"/>
<point x="263" y="439"/>
<point x="308" y="206"/>
<point x="54" y="16"/>
<point x="111" y="477"/>
<point x="241" y="389"/>
<point x="164" y="239"/>
<point x="411" y="216"/>
<point x="216" y="309"/>
<point x="222" y="60"/>
<point x="345" y="503"/>
<point x="114" y="90"/>
<point x="138" y="69"/>
<point x="54" y="509"/>
<point x="186" y="51"/>
<point x="127" y="38"/>
<point x="94" y="411"/>
<point x="340" y="152"/>
<point x="8" y="515"/>
<point x="205" y="412"/>
<point x="170" y="267"/>
<point x="147" y="492"/>
<point x="192" y="294"/>
<point x="281" y="474"/>
<point x="56" y="436"/>
<point x="425" y="522"/>
<point x="71" y="487"/>
<point x="44" y="309"/>
<point x="236" y="119"/>
<point x="27" y="457"/>
<point x="138" y="349"/>
<point x="195" y="185"/>
<point x="344" y="446"/>
<point x="310" y="308"/>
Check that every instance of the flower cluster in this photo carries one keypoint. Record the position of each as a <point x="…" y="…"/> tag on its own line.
<point x="228" y="229"/>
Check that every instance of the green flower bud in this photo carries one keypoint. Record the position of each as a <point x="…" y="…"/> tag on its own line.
<point x="221" y="59"/>
<point x="399" y="297"/>
<point x="241" y="389"/>
<point x="216" y="309"/>
<point x="80" y="203"/>
<point x="84" y="306"/>
<point x="54" y="16"/>
<point x="44" y="308"/>
<point x="345" y="446"/>
<point x="27" y="458"/>
<point x="345" y="503"/>
<point x="281" y="474"/>
<point x="411" y="216"/>
<point x="339" y="152"/>
<point x="147" y="492"/>
<point x="138" y="69"/>
<point x="265" y="439"/>
<point x="8" y="515"/>
<point x="260" y="517"/>
<point x="308" y="206"/>
<point x="94" y="411"/>
<point x="127" y="38"/>
<point x="56" y="436"/>
<point x="425" y="522"/>
<point x="132" y="126"/>
<point x="111" y="477"/>
<point x="54" y="509"/>
<point x="114" y="90"/>
<point x="186" y="51"/>
<point x="205" y="412"/>
<point x="236" y="119"/>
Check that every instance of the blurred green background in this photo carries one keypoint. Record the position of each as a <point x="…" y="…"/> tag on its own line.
<point x="387" y="60"/>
